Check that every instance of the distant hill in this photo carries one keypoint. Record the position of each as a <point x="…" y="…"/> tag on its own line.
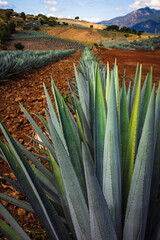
<point x="142" y="15"/>
<point x="149" y="26"/>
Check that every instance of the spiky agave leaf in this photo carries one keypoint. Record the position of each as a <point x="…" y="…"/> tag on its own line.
<point x="131" y="142"/>
<point x="100" y="220"/>
<point x="111" y="162"/>
<point x="33" y="190"/>
<point x="139" y="194"/>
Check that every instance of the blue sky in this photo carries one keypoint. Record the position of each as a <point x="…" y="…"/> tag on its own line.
<point x="91" y="10"/>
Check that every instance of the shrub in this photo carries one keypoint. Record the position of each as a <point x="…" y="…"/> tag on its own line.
<point x="26" y="27"/>
<point x="36" y="28"/>
<point x="95" y="44"/>
<point x="126" y="35"/>
<point x="19" y="46"/>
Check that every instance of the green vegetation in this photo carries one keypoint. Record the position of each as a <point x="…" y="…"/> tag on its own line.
<point x="123" y="30"/>
<point x="6" y="29"/>
<point x="19" y="46"/>
<point x="110" y="43"/>
<point x="15" y="62"/>
<point x="23" y="15"/>
<point x="104" y="166"/>
<point x="148" y="44"/>
<point x="49" y="40"/>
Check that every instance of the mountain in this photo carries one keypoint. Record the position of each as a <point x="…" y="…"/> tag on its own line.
<point x="136" y="17"/>
<point x="149" y="26"/>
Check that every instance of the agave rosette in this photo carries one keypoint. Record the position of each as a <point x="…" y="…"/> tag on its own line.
<point x="104" y="165"/>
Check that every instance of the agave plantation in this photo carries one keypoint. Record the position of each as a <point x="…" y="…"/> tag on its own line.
<point x="103" y="176"/>
<point x="15" y="62"/>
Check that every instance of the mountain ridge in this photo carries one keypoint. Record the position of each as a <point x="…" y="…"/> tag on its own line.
<point x="138" y="16"/>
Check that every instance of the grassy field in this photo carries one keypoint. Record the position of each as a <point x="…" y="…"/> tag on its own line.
<point x="89" y="35"/>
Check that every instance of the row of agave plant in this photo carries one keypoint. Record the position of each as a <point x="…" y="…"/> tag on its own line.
<point x="104" y="165"/>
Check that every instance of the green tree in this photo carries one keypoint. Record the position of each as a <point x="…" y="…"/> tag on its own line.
<point x="23" y="15"/>
<point x="19" y="46"/>
<point x="140" y="33"/>
<point x="52" y="21"/>
<point x="125" y="29"/>
<point x="113" y="28"/>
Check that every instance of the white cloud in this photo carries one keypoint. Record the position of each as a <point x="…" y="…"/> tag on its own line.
<point x="143" y="3"/>
<point x="118" y="9"/>
<point x="53" y="9"/>
<point x="50" y="2"/>
<point x="92" y="19"/>
<point x="3" y="3"/>
<point x="80" y="4"/>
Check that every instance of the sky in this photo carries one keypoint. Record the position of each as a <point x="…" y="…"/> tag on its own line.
<point x="90" y="10"/>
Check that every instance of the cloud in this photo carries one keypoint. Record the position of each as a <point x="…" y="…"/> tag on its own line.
<point x="50" y="2"/>
<point x="4" y="3"/>
<point x="92" y="19"/>
<point x="80" y="4"/>
<point x="143" y="3"/>
<point x="53" y="9"/>
<point x="118" y="9"/>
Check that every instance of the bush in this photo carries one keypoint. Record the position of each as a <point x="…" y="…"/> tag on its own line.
<point x="95" y="45"/>
<point x="4" y="35"/>
<point x="126" y="35"/>
<point x="26" y="27"/>
<point x="36" y="28"/>
<point x="19" y="46"/>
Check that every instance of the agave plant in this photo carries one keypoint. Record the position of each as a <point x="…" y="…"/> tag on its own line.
<point x="104" y="165"/>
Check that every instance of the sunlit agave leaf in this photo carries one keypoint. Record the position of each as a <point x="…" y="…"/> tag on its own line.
<point x="9" y="232"/>
<point x="37" y="163"/>
<point x="131" y="142"/>
<point x="124" y="124"/>
<point x="116" y="79"/>
<point x="153" y="206"/>
<point x="19" y="203"/>
<point x="53" y="114"/>
<point x="62" y="193"/>
<point x="38" y="130"/>
<point x="129" y="97"/>
<point x="79" y="213"/>
<point x="111" y="162"/>
<point x="35" y="194"/>
<point x="100" y="219"/>
<point x="72" y="140"/>
<point x="144" y="104"/>
<point x="99" y="127"/>
<point x="157" y="112"/>
<point x="41" y="118"/>
<point x="139" y="194"/>
<point x="81" y="88"/>
<point x="135" y="85"/>
<point x="144" y="88"/>
<point x="91" y="102"/>
<point x="14" y="184"/>
<point x="107" y="83"/>
<point x="18" y="229"/>
<point x="84" y="123"/>
<point x="48" y="186"/>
